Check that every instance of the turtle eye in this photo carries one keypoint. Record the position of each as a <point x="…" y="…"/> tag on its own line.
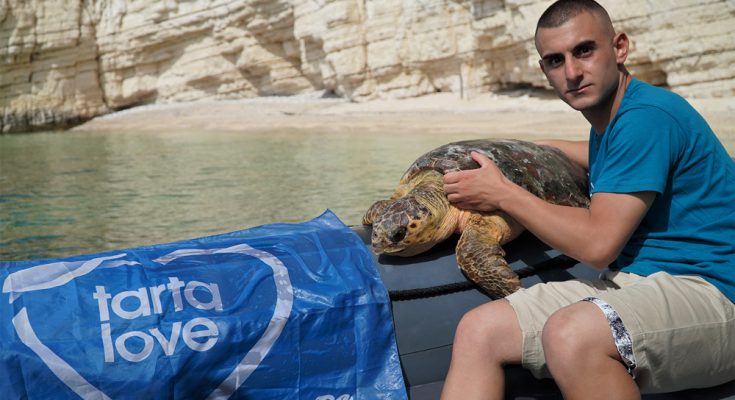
<point x="398" y="235"/>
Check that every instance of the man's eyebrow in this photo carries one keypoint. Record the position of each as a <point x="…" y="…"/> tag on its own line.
<point x="550" y="55"/>
<point x="584" y="43"/>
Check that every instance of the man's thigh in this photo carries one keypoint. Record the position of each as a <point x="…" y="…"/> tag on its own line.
<point x="681" y="330"/>
<point x="534" y="305"/>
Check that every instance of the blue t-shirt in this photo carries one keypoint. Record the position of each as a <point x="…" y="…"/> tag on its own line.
<point x="658" y="142"/>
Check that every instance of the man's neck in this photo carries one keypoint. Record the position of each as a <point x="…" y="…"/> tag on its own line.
<point x="601" y="116"/>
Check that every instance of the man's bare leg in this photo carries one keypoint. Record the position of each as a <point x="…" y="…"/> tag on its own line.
<point x="581" y="355"/>
<point x="487" y="338"/>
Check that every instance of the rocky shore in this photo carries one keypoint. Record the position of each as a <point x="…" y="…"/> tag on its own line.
<point x="62" y="62"/>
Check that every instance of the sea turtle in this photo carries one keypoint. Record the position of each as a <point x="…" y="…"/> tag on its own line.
<point x="418" y="215"/>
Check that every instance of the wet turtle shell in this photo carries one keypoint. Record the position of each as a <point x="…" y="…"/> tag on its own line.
<point x="542" y="170"/>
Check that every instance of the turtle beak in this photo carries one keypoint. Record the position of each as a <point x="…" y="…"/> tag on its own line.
<point x="387" y="237"/>
<point x="378" y="242"/>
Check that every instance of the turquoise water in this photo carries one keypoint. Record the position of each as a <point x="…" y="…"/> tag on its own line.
<point x="69" y="193"/>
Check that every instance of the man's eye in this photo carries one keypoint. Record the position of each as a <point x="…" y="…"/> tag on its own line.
<point x="552" y="62"/>
<point x="584" y="51"/>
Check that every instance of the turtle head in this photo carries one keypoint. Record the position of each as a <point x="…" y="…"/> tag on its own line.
<point x="410" y="225"/>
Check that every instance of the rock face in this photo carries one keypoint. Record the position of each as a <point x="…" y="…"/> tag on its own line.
<point x="65" y="61"/>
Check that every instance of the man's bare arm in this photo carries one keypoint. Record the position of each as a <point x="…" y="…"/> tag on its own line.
<point x="576" y="150"/>
<point x="594" y="236"/>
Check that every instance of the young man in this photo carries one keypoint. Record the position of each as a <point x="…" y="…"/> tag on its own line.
<point x="662" y="317"/>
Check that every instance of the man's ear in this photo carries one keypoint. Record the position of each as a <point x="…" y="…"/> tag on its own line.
<point x="622" y="46"/>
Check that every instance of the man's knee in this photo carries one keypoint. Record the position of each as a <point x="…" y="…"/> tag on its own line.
<point x="491" y="329"/>
<point x="558" y="336"/>
<point x="578" y="330"/>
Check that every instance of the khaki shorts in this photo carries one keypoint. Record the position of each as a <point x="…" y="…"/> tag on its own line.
<point x="681" y="328"/>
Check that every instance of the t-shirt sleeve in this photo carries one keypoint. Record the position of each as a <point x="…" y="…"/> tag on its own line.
<point x="638" y="153"/>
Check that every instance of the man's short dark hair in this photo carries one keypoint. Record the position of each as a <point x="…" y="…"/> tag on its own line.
<point x="564" y="10"/>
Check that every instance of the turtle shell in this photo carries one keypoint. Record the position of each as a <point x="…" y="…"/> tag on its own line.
<point x="542" y="170"/>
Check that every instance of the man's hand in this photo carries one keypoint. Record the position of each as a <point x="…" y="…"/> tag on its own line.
<point x="477" y="189"/>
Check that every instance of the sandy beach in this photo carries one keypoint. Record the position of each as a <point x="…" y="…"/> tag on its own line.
<point x="509" y="114"/>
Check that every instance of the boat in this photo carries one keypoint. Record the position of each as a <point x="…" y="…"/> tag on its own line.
<point x="429" y="295"/>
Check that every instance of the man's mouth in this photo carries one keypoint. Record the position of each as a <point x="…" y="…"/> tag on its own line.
<point x="578" y="90"/>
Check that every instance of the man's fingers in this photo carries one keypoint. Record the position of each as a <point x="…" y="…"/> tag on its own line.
<point x="450" y="177"/>
<point x="454" y="198"/>
<point x="456" y="176"/>
<point x="452" y="191"/>
<point x="481" y="159"/>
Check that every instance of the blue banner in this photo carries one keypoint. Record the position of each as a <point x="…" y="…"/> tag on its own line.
<point x="281" y="311"/>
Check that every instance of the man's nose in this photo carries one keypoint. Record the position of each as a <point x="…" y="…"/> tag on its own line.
<point x="572" y="69"/>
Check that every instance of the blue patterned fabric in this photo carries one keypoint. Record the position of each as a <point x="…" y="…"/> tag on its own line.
<point x="282" y="311"/>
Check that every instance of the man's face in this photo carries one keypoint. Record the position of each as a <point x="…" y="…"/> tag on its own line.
<point x="580" y="61"/>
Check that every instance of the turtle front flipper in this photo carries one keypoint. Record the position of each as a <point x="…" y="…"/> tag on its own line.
<point x="480" y="255"/>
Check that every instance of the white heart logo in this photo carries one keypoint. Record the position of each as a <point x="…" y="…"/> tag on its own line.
<point x="51" y="275"/>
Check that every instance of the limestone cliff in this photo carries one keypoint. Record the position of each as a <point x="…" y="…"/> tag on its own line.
<point x="65" y="61"/>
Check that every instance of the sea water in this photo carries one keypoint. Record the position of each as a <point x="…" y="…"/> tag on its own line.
<point x="69" y="193"/>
